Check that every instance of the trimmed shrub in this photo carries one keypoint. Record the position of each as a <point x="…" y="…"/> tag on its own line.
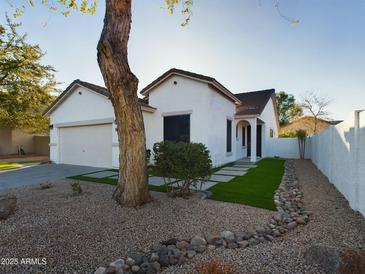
<point x="188" y="162"/>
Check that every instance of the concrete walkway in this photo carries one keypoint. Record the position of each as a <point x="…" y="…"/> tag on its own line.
<point x="40" y="174"/>
<point x="225" y="174"/>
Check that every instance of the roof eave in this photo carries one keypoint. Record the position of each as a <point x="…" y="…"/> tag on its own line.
<point x="242" y="116"/>
<point x="75" y="84"/>
<point x="217" y="85"/>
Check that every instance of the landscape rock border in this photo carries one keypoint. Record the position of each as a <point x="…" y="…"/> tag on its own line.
<point x="290" y="214"/>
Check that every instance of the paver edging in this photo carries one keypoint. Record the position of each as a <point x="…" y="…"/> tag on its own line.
<point x="288" y="200"/>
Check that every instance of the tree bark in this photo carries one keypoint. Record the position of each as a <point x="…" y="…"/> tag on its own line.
<point x="122" y="85"/>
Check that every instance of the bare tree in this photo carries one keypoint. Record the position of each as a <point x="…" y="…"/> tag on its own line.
<point x="316" y="106"/>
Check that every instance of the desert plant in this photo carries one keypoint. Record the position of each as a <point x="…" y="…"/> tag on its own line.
<point x="215" y="267"/>
<point x="76" y="188"/>
<point x="302" y="136"/>
<point x="45" y="186"/>
<point x="188" y="162"/>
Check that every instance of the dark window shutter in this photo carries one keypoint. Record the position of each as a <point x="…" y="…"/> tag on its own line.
<point x="243" y="136"/>
<point x="229" y="136"/>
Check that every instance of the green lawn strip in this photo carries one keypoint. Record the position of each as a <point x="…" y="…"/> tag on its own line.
<point x="8" y="166"/>
<point x="111" y="181"/>
<point x="255" y="188"/>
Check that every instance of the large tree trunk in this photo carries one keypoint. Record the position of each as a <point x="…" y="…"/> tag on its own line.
<point x="122" y="85"/>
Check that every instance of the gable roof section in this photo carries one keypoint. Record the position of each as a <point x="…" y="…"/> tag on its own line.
<point x="98" y="89"/>
<point x="253" y="103"/>
<point x="199" y="77"/>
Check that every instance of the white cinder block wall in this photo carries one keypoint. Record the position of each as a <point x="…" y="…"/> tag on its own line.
<point x="339" y="153"/>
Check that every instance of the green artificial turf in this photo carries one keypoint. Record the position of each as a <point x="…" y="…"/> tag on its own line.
<point x="255" y="188"/>
<point x="8" y="166"/>
<point x="111" y="181"/>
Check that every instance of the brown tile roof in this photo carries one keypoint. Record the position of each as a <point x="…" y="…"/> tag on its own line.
<point x="254" y="102"/>
<point x="99" y="89"/>
<point x="205" y="78"/>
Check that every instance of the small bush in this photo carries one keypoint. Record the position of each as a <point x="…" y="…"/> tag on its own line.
<point x="76" y="188"/>
<point x="287" y="134"/>
<point x="301" y="134"/>
<point x="45" y="186"/>
<point x="189" y="162"/>
<point x="215" y="267"/>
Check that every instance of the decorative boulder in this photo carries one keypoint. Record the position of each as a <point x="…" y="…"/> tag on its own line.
<point x="336" y="260"/>
<point x="197" y="241"/>
<point x="182" y="244"/>
<point x="213" y="239"/>
<point x="228" y="236"/>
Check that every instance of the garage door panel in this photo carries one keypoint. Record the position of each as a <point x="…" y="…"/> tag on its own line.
<point x="86" y="145"/>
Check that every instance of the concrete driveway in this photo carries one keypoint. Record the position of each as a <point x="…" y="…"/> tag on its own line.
<point x="41" y="174"/>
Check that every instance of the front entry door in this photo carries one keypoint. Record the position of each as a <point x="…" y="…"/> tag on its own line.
<point x="258" y="141"/>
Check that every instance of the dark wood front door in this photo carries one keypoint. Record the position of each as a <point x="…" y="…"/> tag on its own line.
<point x="258" y="141"/>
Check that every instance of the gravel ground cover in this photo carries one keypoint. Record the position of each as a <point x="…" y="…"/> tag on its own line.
<point x="332" y="223"/>
<point x="77" y="234"/>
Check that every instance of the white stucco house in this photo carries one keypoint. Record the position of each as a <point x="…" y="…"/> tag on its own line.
<point x="179" y="106"/>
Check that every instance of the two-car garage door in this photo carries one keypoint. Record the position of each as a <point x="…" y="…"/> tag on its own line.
<point x="89" y="145"/>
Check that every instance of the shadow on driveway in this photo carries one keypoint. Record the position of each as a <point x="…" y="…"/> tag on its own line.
<point x="40" y="174"/>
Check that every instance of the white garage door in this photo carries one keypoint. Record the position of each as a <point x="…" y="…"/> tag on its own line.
<point x="86" y="145"/>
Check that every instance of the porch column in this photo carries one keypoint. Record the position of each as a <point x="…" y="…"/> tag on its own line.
<point x="253" y="124"/>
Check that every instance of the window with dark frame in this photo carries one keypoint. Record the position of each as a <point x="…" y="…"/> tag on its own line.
<point x="229" y="136"/>
<point x="177" y="128"/>
<point x="243" y="136"/>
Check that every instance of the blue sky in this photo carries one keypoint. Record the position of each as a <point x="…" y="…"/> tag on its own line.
<point x="244" y="44"/>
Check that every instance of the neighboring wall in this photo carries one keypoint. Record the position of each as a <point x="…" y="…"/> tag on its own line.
<point x="20" y="138"/>
<point x="339" y="153"/>
<point x="10" y="139"/>
<point x="5" y="141"/>
<point x="287" y="148"/>
<point x="41" y="145"/>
